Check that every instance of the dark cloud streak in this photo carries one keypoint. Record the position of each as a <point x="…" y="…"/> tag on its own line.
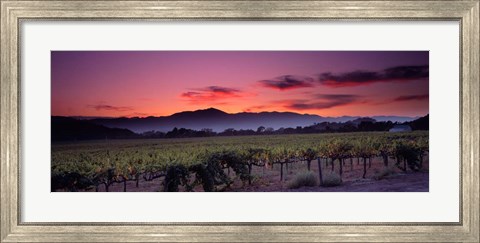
<point x="411" y="97"/>
<point x="394" y="74"/>
<point x="323" y="101"/>
<point x="211" y="94"/>
<point x="110" y="107"/>
<point x="287" y="82"/>
<point x="218" y="89"/>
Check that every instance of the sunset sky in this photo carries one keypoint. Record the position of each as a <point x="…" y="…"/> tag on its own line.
<point x="160" y="83"/>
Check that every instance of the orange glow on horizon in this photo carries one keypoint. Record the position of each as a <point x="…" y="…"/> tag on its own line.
<point x="158" y="83"/>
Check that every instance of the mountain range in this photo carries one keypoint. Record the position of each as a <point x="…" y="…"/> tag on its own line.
<point x="218" y="120"/>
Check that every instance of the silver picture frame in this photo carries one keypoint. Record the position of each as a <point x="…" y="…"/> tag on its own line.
<point x="13" y="12"/>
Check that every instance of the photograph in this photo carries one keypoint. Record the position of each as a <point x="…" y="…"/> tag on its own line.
<point x="239" y="121"/>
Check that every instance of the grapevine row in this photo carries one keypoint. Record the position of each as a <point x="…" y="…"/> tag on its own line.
<point x="187" y="163"/>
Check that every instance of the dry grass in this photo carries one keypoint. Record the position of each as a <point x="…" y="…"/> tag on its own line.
<point x="382" y="173"/>
<point x="331" y="179"/>
<point x="304" y="178"/>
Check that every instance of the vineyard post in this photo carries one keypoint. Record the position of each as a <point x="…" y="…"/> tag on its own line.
<point x="341" y="166"/>
<point x="165" y="184"/>
<point x="351" y="164"/>
<point x="281" y="171"/>
<point x="320" y="171"/>
<point x="364" y="167"/>
<point x="124" y="184"/>
<point x="385" y="160"/>
<point x="369" y="162"/>
<point x="249" y="173"/>
<point x="333" y="164"/>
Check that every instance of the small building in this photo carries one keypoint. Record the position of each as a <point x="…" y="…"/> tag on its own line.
<point x="400" y="128"/>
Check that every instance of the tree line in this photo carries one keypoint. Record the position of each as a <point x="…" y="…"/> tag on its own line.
<point x="359" y="125"/>
<point x="70" y="129"/>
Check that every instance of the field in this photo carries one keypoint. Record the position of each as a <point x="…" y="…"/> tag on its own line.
<point x="373" y="161"/>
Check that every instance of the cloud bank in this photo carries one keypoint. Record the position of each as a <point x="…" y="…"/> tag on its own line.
<point x="356" y="78"/>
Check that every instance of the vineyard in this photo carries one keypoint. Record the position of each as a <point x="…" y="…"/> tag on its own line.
<point x="217" y="163"/>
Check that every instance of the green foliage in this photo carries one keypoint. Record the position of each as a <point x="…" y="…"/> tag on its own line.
<point x="107" y="162"/>
<point x="210" y="173"/>
<point x="233" y="160"/>
<point x="310" y="154"/>
<point x="176" y="175"/>
<point x="407" y="151"/>
<point x="305" y="178"/>
<point x="338" y="148"/>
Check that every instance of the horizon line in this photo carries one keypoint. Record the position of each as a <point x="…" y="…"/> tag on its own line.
<point x="213" y="108"/>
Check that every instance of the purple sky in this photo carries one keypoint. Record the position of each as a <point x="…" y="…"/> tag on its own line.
<point x="157" y="83"/>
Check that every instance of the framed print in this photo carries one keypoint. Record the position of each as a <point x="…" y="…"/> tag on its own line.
<point x="224" y="122"/>
<point x="239" y="121"/>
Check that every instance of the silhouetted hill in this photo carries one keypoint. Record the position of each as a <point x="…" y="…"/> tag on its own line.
<point x="421" y="123"/>
<point x="218" y="120"/>
<point x="66" y="128"/>
<point x="200" y="114"/>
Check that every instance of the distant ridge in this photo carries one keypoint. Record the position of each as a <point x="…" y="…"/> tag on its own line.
<point x="218" y="120"/>
<point x="68" y="129"/>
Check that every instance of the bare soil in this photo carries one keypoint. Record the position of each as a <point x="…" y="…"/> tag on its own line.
<point x="268" y="180"/>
